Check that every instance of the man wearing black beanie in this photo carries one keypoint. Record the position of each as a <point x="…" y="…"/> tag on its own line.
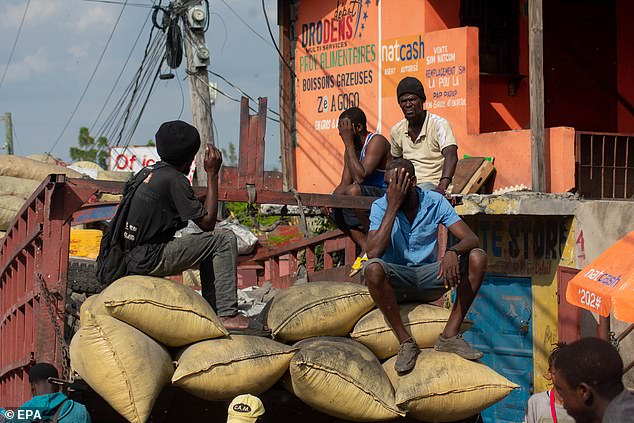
<point x="423" y="138"/>
<point x="163" y="204"/>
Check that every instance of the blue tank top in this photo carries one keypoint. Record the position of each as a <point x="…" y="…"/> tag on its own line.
<point x="376" y="178"/>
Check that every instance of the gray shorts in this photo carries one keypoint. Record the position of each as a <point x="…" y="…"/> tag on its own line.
<point x="417" y="283"/>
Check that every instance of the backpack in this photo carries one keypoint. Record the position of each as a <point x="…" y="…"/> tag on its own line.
<point x="112" y="262"/>
<point x="55" y="416"/>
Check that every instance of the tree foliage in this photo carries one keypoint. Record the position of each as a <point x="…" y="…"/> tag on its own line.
<point x="230" y="157"/>
<point x="89" y="149"/>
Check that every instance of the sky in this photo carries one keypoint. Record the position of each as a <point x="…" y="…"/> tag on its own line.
<point x="61" y="42"/>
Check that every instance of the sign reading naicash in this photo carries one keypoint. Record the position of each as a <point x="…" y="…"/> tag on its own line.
<point x="353" y="53"/>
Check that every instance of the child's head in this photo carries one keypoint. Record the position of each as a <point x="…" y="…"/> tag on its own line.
<point x="552" y="357"/>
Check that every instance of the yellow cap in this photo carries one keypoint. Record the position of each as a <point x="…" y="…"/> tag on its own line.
<point x="245" y="408"/>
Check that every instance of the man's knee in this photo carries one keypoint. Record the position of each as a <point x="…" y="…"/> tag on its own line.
<point x="227" y="238"/>
<point x="353" y="189"/>
<point x="477" y="261"/>
<point x="374" y="274"/>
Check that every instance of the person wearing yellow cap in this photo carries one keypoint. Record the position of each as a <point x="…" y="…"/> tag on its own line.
<point x="245" y="409"/>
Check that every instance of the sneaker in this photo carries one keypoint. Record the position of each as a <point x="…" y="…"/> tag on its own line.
<point x="358" y="265"/>
<point x="406" y="358"/>
<point x="457" y="345"/>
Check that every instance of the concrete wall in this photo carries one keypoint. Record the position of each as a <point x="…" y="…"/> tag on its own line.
<point x="599" y="224"/>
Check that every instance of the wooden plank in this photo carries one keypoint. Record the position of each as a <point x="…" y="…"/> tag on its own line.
<point x="464" y="171"/>
<point x="243" y="148"/>
<point x="287" y="106"/>
<point x="536" y="84"/>
<point x="259" y="135"/>
<point x="479" y="177"/>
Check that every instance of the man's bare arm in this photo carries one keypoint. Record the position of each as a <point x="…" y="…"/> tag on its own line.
<point x="450" y="153"/>
<point x="375" y="153"/>
<point x="212" y="163"/>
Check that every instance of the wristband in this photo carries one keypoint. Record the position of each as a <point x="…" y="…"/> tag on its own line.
<point x="454" y="250"/>
<point x="445" y="177"/>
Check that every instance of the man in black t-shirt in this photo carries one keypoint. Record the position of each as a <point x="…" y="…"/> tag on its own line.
<point x="163" y="204"/>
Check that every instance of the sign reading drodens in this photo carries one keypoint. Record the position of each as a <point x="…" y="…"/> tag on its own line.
<point x="353" y="53"/>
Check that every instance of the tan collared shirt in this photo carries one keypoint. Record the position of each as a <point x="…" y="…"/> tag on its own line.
<point x="426" y="151"/>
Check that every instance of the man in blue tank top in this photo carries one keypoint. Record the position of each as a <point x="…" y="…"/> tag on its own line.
<point x="365" y="157"/>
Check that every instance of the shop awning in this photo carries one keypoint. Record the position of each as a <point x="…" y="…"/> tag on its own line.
<point x="607" y="284"/>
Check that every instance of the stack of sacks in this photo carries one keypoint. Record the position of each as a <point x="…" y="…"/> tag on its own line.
<point x="131" y="328"/>
<point x="341" y="376"/>
<point x="19" y="178"/>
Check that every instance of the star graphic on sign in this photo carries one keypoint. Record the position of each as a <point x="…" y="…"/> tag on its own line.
<point x="367" y="2"/>
<point x="362" y="27"/>
<point x="365" y="15"/>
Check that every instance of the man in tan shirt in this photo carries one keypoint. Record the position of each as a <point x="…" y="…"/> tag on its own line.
<point x="423" y="138"/>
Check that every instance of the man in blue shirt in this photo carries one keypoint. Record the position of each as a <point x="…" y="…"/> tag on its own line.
<point x="403" y="249"/>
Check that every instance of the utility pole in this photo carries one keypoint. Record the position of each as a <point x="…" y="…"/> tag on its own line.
<point x="194" y="23"/>
<point x="8" y="125"/>
<point x="536" y="88"/>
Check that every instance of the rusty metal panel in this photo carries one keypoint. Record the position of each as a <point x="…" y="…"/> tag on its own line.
<point x="569" y="316"/>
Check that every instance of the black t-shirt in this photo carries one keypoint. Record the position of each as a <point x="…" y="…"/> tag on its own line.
<point x="162" y="204"/>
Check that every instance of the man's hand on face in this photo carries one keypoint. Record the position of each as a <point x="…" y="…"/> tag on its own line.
<point x="449" y="270"/>
<point x="346" y="131"/>
<point x="399" y="183"/>
<point x="213" y="159"/>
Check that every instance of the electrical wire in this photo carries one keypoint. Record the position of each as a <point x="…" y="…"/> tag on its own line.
<point x="241" y="91"/>
<point x="268" y="25"/>
<point x="246" y="23"/>
<point x="15" y="42"/>
<point x="125" y="64"/>
<point x="239" y="101"/>
<point x="149" y="6"/>
<point x="81" y="98"/>
<point x="180" y="86"/>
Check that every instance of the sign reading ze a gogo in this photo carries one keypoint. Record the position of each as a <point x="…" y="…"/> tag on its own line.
<point x="132" y="159"/>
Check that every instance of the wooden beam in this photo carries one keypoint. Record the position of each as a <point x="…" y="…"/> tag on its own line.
<point x="536" y="82"/>
<point x="287" y="97"/>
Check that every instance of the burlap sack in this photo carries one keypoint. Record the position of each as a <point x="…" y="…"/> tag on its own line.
<point x="342" y="378"/>
<point x="124" y="366"/>
<point x="444" y="387"/>
<point x="169" y="312"/>
<point x="22" y="167"/>
<point x="318" y="309"/>
<point x="93" y="306"/>
<point x="423" y="321"/>
<point x="111" y="175"/>
<point x="220" y="369"/>
<point x="9" y="207"/>
<point x="17" y="187"/>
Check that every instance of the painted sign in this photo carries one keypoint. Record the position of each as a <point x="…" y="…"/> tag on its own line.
<point x="132" y="159"/>
<point x="522" y="245"/>
<point x="135" y="158"/>
<point x="354" y="53"/>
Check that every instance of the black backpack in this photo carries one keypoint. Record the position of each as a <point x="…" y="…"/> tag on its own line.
<point x="112" y="262"/>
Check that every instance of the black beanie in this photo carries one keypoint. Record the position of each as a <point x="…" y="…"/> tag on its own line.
<point x="410" y="85"/>
<point x="177" y="142"/>
<point x="42" y="371"/>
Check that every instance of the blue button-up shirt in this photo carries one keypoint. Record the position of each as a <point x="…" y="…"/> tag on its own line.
<point x="417" y="243"/>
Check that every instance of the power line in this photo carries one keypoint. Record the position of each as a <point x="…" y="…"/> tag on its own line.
<point x="246" y="23"/>
<point x="149" y="6"/>
<point x="125" y="64"/>
<point x="268" y="25"/>
<point x="241" y="90"/>
<point x="81" y="98"/>
<point x="15" y="42"/>
<point x="239" y="101"/>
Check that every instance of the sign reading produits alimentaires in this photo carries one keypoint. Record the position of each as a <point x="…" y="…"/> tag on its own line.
<point x="353" y="53"/>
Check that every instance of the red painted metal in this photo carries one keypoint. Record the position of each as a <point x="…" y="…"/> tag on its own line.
<point x="569" y="316"/>
<point x="32" y="322"/>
